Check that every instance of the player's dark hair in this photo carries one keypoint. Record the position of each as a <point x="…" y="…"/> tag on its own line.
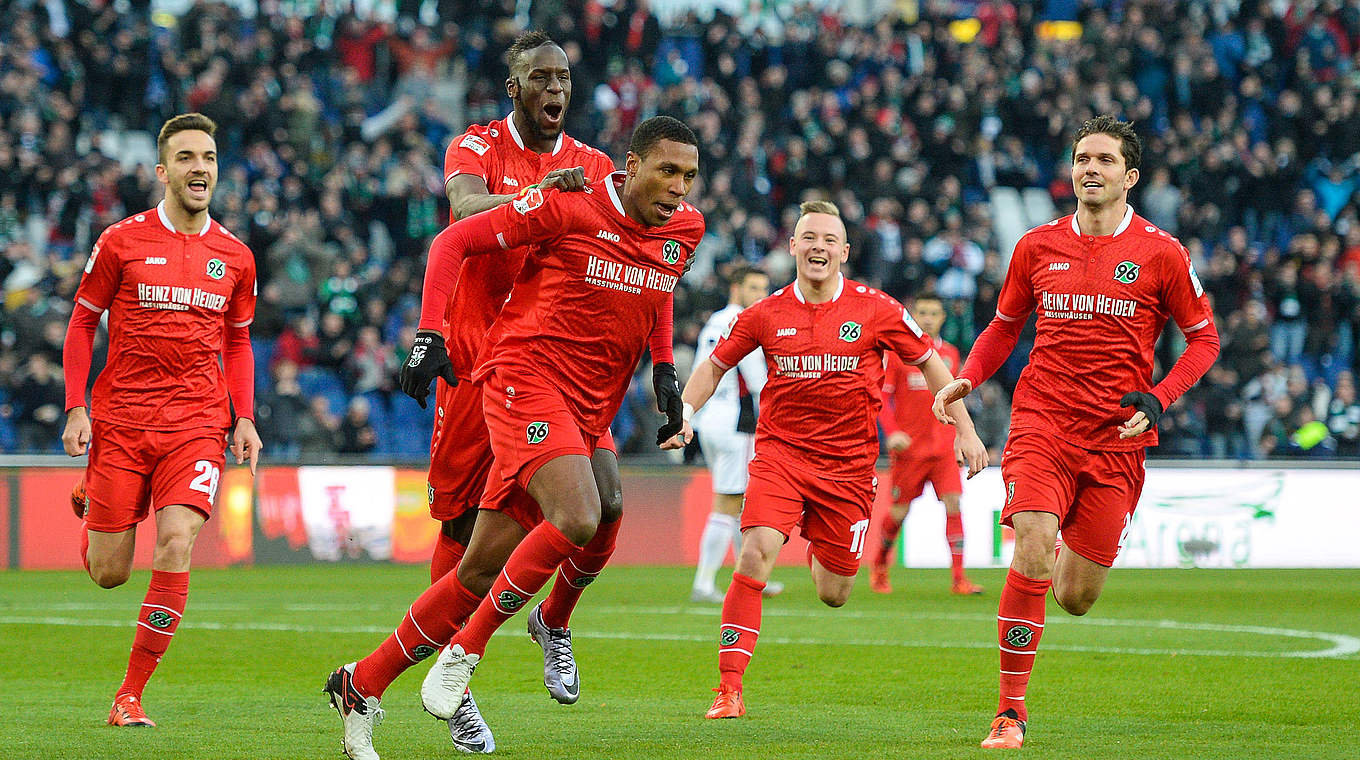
<point x="656" y="129"/>
<point x="183" y="123"/>
<point x="1129" y="144"/>
<point x="518" y="54"/>
<point x="740" y="273"/>
<point x="927" y="295"/>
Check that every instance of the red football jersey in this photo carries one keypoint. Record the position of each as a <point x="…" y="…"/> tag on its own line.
<point x="1102" y="302"/>
<point x="911" y="399"/>
<point x="170" y="297"/>
<point x="496" y="153"/>
<point x="819" y="408"/>
<point x="590" y="293"/>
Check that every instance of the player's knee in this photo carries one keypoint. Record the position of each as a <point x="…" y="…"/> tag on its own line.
<point x="1074" y="602"/>
<point x="175" y="547"/>
<point x="611" y="506"/>
<point x="109" y="577"/>
<point x="579" y="527"/>
<point x="478" y="580"/>
<point x="833" y="597"/>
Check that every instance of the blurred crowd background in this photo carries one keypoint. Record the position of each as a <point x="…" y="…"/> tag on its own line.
<point x="941" y="129"/>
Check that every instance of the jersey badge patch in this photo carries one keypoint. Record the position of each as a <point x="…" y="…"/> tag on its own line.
<point x="850" y="332"/>
<point x="536" y="432"/>
<point x="1126" y="272"/>
<point x="216" y="269"/>
<point x="475" y="144"/>
<point x="670" y="252"/>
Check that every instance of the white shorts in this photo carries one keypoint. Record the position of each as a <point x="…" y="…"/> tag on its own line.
<point x="727" y="454"/>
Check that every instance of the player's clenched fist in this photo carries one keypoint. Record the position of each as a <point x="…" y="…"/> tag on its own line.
<point x="429" y="359"/>
<point x="667" y="386"/>
<point x="76" y="436"/>
<point x="568" y="180"/>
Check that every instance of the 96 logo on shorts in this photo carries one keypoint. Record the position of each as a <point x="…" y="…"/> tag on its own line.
<point x="536" y="432"/>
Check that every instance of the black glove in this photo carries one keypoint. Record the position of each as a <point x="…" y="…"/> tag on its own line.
<point x="1145" y="403"/>
<point x="667" y="386"/>
<point x="429" y="359"/>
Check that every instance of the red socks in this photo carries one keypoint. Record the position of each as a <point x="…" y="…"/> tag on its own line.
<point x="447" y="553"/>
<point x="740" y="629"/>
<point x="161" y="612"/>
<point x="579" y="571"/>
<point x="528" y="570"/>
<point x="953" y="533"/>
<point x="888" y="528"/>
<point x="1019" y="624"/>
<point x="427" y="627"/>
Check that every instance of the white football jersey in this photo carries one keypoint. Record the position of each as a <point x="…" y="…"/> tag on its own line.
<point x="720" y="414"/>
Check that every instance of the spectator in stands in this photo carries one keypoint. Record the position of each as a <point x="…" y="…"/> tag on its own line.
<point x="357" y="435"/>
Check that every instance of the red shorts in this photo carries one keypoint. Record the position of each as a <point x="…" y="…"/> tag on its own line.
<point x="833" y="515"/>
<point x="1093" y="493"/>
<point x="910" y="475"/>
<point x="460" y="451"/>
<point x="132" y="471"/>
<point x="529" y="424"/>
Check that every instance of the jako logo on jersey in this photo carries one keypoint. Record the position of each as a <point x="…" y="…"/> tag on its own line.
<point x="850" y="332"/>
<point x="536" y="432"/>
<point x="511" y="181"/>
<point x="475" y="144"/>
<point x="216" y="269"/>
<point x="729" y="637"/>
<point x="531" y="200"/>
<point x="1059" y="266"/>
<point x="607" y="235"/>
<point x="670" y="251"/>
<point x="1019" y="636"/>
<point x="785" y="331"/>
<point x="1126" y="272"/>
<point x="160" y="619"/>
<point x="155" y="260"/>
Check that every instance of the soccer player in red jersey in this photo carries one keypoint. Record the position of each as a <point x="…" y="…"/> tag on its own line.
<point x="1104" y="281"/>
<point x="922" y="449"/>
<point x="824" y="338"/>
<point x="592" y="294"/>
<point x="180" y="292"/>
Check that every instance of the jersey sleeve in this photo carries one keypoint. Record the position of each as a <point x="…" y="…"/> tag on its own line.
<point x="598" y="167"/>
<point x="103" y="274"/>
<point x="1183" y="295"/>
<point x="469" y="153"/>
<point x="1016" y="300"/>
<point x="739" y="339"/>
<point x="241" y="309"/>
<point x="900" y="334"/>
<point x="754" y="372"/>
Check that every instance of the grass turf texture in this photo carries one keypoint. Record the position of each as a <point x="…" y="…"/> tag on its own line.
<point x="910" y="675"/>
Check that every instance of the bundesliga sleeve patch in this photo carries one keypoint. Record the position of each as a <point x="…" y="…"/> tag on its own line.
<point x="1194" y="280"/>
<point x="475" y="144"/>
<point x="911" y="323"/>
<point x="531" y="200"/>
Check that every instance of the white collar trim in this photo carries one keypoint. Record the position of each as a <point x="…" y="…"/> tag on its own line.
<point x="614" y="193"/>
<point x="165" y="219"/>
<point x="1123" y="225"/>
<point x="840" y="287"/>
<point x="514" y="133"/>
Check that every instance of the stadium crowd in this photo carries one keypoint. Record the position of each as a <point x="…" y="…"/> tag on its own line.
<point x="940" y="130"/>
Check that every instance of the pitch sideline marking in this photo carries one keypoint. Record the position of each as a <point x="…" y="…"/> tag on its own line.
<point x="1342" y="646"/>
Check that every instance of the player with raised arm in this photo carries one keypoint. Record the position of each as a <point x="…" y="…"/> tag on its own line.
<point x="1104" y="281"/>
<point x="180" y="292"/>
<point x="726" y="429"/>
<point x="922" y="450"/>
<point x="824" y="338"/>
<point x="593" y="293"/>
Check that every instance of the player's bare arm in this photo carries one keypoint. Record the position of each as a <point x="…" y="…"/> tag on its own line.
<point x="76" y="437"/>
<point x="954" y="391"/>
<point x="702" y="382"/>
<point x="938" y="379"/>
<point x="469" y="195"/>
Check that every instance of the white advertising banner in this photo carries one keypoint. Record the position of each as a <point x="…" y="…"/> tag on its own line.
<point x="348" y="511"/>
<point x="1209" y="517"/>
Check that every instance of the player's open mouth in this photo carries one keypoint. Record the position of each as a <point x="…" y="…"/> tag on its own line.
<point x="665" y="209"/>
<point x="552" y="112"/>
<point x="1093" y="184"/>
<point x="198" y="185"/>
<point x="818" y="261"/>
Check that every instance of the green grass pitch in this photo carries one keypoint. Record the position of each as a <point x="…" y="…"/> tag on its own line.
<point x="1169" y="664"/>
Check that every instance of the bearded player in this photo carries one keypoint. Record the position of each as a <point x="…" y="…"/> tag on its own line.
<point x="592" y="294"/>
<point x="1104" y="281"/>
<point x="824" y="338"/>
<point x="180" y="292"/>
<point x="922" y="450"/>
